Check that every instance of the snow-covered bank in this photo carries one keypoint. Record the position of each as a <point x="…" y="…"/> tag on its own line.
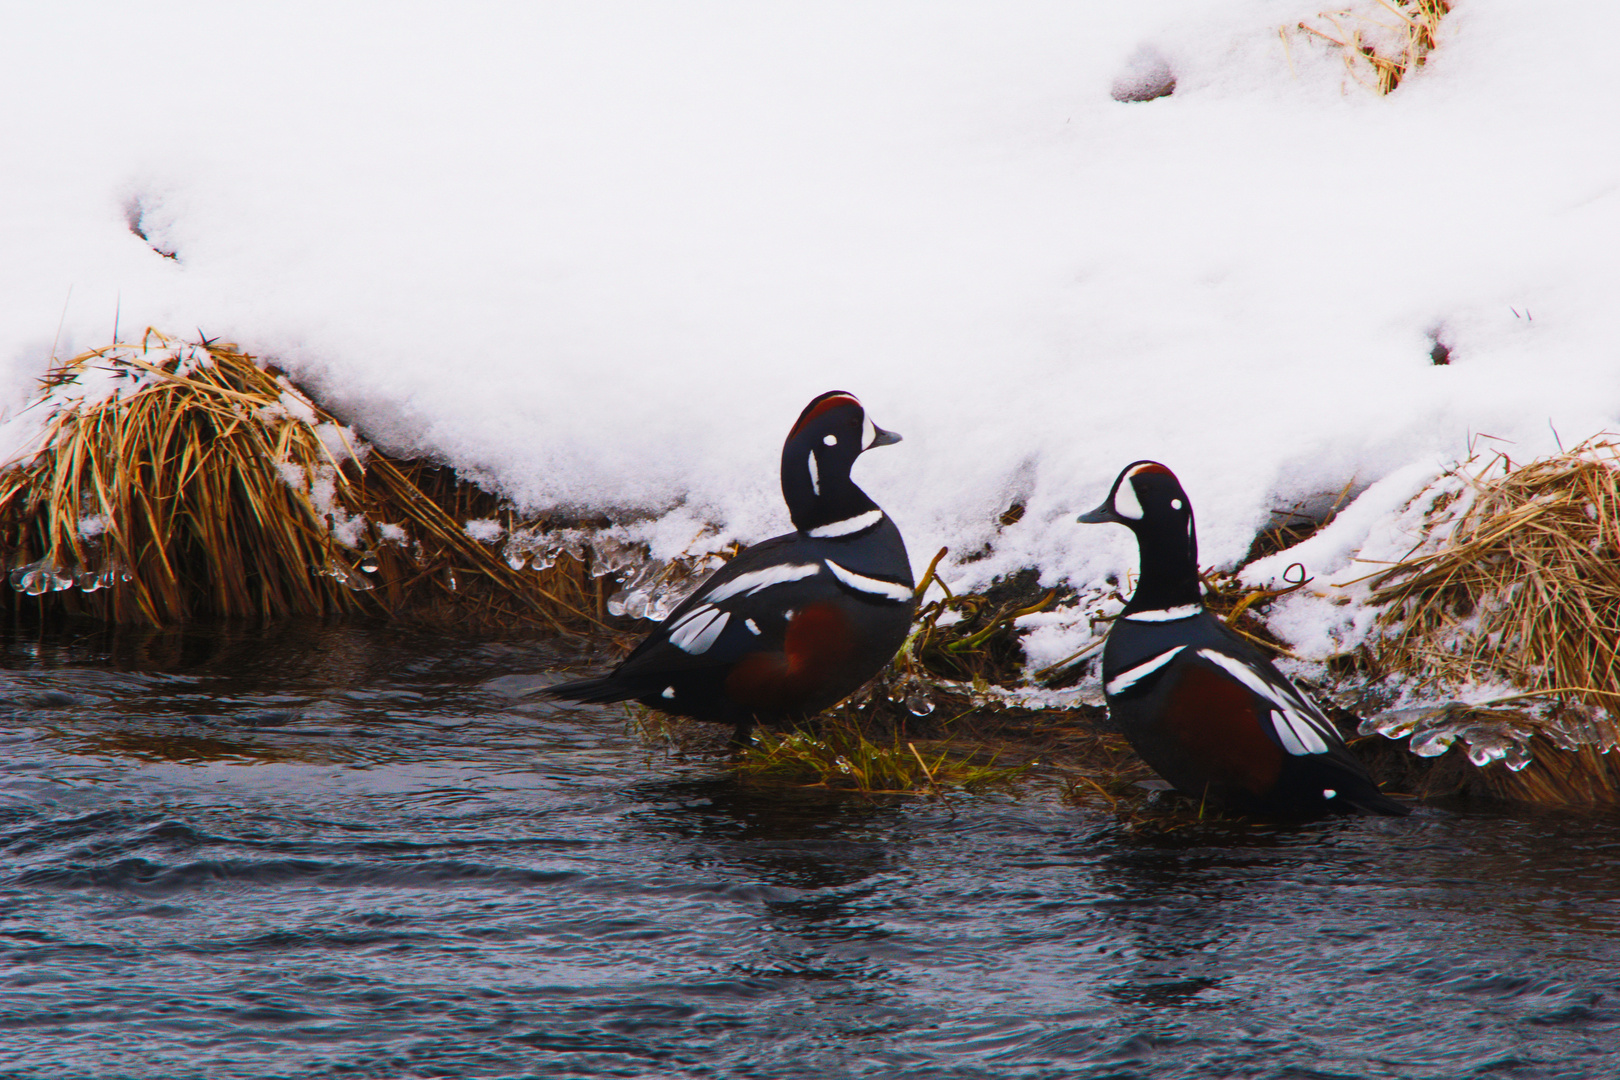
<point x="600" y="255"/>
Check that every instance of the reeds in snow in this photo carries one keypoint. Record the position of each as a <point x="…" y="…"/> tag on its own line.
<point x="1525" y="586"/>
<point x="1516" y="584"/>
<point x="167" y="480"/>
<point x="1383" y="41"/>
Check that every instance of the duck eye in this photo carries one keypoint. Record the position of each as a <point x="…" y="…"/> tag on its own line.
<point x="830" y="440"/>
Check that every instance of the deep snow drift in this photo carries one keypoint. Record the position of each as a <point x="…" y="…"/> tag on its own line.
<point x="600" y="255"/>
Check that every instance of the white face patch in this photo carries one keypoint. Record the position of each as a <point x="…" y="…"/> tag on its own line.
<point x="874" y="587"/>
<point x="1126" y="504"/>
<point x="1175" y="504"/>
<point x="815" y="476"/>
<point x="868" y="433"/>
<point x="830" y="440"/>
<point x="858" y="523"/>
<point x="698" y="629"/>
<point x="1169" y="614"/>
<point x="1131" y="676"/>
<point x="1329" y="793"/>
<point x="668" y="694"/>
<point x="751" y="583"/>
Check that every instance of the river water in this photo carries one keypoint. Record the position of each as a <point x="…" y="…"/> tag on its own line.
<point x="360" y="852"/>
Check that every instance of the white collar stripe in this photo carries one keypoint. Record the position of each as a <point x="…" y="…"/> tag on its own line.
<point x="886" y="590"/>
<point x="1169" y="614"/>
<point x="858" y="523"/>
<point x="751" y="583"/>
<point x="1131" y="676"/>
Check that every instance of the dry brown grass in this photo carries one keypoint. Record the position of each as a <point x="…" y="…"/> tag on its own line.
<point x="173" y="480"/>
<point x="1516" y="583"/>
<point x="1526" y="585"/>
<point x="1383" y="42"/>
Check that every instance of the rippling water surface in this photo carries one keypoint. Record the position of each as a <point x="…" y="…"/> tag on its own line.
<point x="361" y="853"/>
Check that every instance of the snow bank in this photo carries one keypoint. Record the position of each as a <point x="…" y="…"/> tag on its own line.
<point x="600" y="255"/>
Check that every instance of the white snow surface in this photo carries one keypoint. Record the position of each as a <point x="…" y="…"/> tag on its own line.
<point x="599" y="255"/>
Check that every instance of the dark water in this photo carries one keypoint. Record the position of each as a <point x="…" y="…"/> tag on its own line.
<point x="357" y="853"/>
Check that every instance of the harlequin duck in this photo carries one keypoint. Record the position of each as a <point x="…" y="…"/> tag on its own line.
<point x="1204" y="708"/>
<point x="793" y="624"/>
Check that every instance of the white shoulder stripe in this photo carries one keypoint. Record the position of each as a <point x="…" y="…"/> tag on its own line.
<point x="1131" y="676"/>
<point x="855" y="524"/>
<point x="1169" y="614"/>
<point x="698" y="629"/>
<point x="1310" y="728"/>
<point x="886" y="590"/>
<point x="750" y="583"/>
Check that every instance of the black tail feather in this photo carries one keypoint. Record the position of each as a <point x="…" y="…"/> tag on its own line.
<point x="1373" y="801"/>
<point x="593" y="690"/>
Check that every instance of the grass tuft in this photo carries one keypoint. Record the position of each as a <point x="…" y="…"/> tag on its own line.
<point x="1519" y="578"/>
<point x="1515" y="580"/>
<point x="838" y="754"/>
<point x="171" y="480"/>
<point x="1381" y="42"/>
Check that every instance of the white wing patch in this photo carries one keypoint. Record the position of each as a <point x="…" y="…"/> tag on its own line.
<point x="1295" y="734"/>
<point x="1309" y="738"/>
<point x="1299" y="725"/>
<point x="753" y="627"/>
<point x="1131" y="676"/>
<point x="1169" y="614"/>
<point x="750" y="583"/>
<point x="886" y="590"/>
<point x="856" y="524"/>
<point x="698" y="629"/>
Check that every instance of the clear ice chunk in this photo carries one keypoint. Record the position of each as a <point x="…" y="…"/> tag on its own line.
<point x="1432" y="743"/>
<point x="37" y="580"/>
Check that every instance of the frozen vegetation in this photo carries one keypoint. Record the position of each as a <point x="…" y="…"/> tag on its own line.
<point x="598" y="256"/>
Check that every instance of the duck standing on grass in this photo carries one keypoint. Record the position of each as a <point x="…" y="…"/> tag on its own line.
<point x="793" y="624"/>
<point x="1200" y="705"/>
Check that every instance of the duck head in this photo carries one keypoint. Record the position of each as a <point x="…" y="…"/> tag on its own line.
<point x="819" y="452"/>
<point x="1148" y="499"/>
